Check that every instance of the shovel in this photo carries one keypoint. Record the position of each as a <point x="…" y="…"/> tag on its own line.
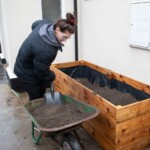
<point x="53" y="97"/>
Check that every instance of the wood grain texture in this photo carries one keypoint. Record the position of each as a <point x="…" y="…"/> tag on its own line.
<point x="116" y="127"/>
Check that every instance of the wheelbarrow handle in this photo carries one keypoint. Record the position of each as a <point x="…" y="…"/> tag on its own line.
<point x="37" y="139"/>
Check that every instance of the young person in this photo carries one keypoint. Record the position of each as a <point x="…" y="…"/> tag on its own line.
<point x="39" y="50"/>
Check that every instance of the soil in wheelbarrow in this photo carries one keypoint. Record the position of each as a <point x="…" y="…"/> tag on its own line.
<point x="52" y="116"/>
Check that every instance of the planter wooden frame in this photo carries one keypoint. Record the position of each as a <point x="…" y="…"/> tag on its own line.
<point x="116" y="127"/>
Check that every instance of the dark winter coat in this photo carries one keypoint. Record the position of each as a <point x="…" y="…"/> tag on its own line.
<point x="37" y="53"/>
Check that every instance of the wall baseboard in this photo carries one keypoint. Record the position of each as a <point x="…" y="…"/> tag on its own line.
<point x="13" y="81"/>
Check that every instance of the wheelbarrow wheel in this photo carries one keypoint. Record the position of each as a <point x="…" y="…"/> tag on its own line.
<point x="70" y="142"/>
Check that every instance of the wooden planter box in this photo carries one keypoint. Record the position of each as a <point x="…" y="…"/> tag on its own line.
<point x="117" y="127"/>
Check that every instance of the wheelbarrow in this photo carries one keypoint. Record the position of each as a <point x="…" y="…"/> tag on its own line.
<point x="70" y="140"/>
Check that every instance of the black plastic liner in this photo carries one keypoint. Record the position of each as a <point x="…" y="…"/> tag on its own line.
<point x="94" y="76"/>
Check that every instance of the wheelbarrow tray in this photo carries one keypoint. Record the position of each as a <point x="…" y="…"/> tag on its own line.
<point x="30" y="106"/>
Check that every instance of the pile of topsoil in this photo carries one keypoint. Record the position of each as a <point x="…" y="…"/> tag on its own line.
<point x="58" y="115"/>
<point x="112" y="95"/>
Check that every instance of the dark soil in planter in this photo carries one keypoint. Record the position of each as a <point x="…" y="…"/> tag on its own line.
<point x="112" y="95"/>
<point x="52" y="116"/>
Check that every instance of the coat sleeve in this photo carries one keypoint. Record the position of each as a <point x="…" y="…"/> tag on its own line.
<point x="41" y="64"/>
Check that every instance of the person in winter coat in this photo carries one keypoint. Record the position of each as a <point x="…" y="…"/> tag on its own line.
<point x="39" y="50"/>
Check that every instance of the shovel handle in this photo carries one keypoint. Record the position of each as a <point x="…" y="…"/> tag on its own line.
<point x="52" y="90"/>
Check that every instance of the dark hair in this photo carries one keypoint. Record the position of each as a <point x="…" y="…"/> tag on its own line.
<point x="67" y="24"/>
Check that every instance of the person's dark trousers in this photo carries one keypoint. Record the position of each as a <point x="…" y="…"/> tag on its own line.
<point x="35" y="89"/>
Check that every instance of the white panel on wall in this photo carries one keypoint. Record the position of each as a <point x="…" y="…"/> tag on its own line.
<point x="140" y="1"/>
<point x="140" y="25"/>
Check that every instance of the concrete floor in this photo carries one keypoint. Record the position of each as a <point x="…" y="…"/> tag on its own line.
<point x="15" y="124"/>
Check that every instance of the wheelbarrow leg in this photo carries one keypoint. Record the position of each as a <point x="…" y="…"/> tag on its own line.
<point x="78" y="138"/>
<point x="34" y="139"/>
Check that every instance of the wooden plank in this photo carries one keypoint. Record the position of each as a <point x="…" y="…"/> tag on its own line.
<point x="73" y="88"/>
<point x="136" y="84"/>
<point x="104" y="105"/>
<point x="68" y="64"/>
<point x="99" y="137"/>
<point x="134" y="137"/>
<point x="141" y="144"/>
<point x="133" y="110"/>
<point x="132" y="125"/>
<point x="132" y="133"/>
<point x="97" y="68"/>
<point x="106" y="125"/>
<point x="106" y="143"/>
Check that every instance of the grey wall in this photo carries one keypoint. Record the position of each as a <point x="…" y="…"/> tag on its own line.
<point x="51" y="9"/>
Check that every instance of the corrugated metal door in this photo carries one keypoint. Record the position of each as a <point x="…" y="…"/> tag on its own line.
<point x="51" y="9"/>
